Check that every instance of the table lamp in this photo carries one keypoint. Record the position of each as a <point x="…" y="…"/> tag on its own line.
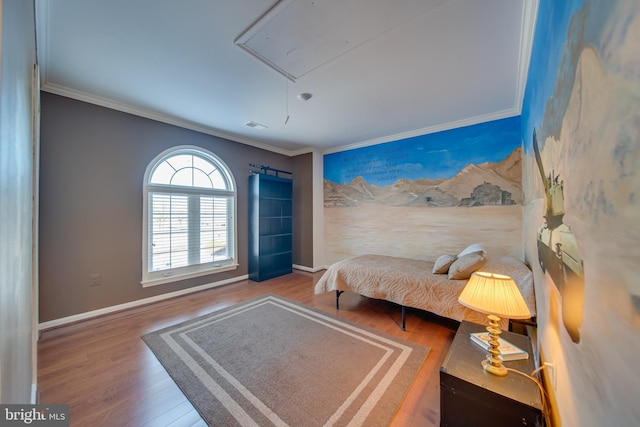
<point x="497" y="296"/>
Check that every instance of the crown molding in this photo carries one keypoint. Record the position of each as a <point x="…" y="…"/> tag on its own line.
<point x="529" y="17"/>
<point x="42" y="37"/>
<point x="154" y="115"/>
<point x="165" y="118"/>
<point x="431" y="129"/>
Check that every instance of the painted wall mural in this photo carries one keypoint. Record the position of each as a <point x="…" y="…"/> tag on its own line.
<point x="424" y="196"/>
<point x="558" y="252"/>
<point x="581" y="176"/>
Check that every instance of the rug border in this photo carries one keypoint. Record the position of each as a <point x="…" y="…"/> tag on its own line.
<point x="421" y="351"/>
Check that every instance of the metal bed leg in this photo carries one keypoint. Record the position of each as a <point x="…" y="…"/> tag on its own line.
<point x="338" y="293"/>
<point x="403" y="317"/>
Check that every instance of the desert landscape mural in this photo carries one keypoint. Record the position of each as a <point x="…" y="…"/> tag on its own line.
<point x="408" y="199"/>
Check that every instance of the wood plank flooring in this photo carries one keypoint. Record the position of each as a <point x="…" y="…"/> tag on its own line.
<point x="108" y="376"/>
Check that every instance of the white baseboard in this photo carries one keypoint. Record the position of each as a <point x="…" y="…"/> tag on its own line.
<point x="107" y="310"/>
<point x="308" y="269"/>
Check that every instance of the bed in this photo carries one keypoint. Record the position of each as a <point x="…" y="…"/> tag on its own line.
<point x="413" y="283"/>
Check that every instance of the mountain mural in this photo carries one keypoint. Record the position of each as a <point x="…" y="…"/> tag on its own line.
<point x="494" y="183"/>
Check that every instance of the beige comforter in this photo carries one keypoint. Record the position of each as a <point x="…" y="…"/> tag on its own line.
<point x="411" y="283"/>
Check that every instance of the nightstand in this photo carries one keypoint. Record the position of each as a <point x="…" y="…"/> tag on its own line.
<point x="469" y="396"/>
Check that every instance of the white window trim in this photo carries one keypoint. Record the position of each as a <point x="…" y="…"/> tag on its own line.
<point x="183" y="276"/>
<point x="188" y="272"/>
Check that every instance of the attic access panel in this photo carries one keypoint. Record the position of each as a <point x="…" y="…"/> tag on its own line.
<point x="297" y="36"/>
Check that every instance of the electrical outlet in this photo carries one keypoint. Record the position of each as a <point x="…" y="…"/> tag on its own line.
<point x="96" y="279"/>
<point x="552" y="375"/>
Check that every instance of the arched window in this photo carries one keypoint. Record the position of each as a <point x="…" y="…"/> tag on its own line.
<point x="189" y="216"/>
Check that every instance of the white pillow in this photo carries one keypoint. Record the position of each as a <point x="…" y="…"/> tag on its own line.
<point x="476" y="247"/>
<point x="462" y="268"/>
<point x="442" y="264"/>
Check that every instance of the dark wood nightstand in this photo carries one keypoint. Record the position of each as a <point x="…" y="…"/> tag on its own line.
<point x="469" y="396"/>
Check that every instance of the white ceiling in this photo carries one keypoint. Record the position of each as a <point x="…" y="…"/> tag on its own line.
<point x="409" y="66"/>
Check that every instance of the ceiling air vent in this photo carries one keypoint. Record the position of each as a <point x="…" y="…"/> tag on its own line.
<point x="255" y="125"/>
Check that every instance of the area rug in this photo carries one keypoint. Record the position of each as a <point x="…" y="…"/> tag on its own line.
<point x="273" y="361"/>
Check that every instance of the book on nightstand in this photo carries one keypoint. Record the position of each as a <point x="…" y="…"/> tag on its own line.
<point x="508" y="351"/>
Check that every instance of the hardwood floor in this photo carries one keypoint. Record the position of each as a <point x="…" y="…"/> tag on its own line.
<point x="108" y="376"/>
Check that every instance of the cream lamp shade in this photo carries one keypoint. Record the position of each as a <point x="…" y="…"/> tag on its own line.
<point x="497" y="296"/>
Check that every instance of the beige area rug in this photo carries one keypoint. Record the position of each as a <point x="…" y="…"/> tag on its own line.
<point x="272" y="361"/>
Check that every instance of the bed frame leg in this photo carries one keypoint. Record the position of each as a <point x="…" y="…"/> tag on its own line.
<point x="338" y="293"/>
<point x="403" y="317"/>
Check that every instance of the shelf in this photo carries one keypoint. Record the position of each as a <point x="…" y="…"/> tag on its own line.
<point x="270" y="227"/>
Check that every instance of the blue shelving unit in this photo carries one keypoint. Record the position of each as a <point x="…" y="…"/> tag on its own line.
<point x="270" y="226"/>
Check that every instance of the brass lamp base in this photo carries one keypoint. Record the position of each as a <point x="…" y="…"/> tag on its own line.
<point x="500" y="371"/>
<point x="493" y="363"/>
